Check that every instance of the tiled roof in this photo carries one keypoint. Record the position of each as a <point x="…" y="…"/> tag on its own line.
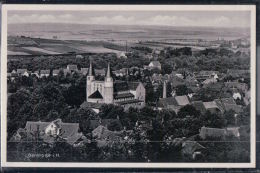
<point x="199" y="106"/>
<point x="91" y="105"/>
<point x="123" y="95"/>
<point x="129" y="102"/>
<point x="96" y="95"/>
<point x="182" y="100"/>
<point x="104" y="122"/>
<point x="45" y="71"/>
<point x="72" y="67"/>
<point x="120" y="86"/>
<point x="164" y="102"/>
<point x="133" y="85"/>
<point x="20" y="71"/>
<point x="56" y="71"/>
<point x="155" y="63"/>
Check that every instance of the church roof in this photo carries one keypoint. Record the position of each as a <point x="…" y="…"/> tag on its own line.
<point x="129" y="102"/>
<point x="133" y="85"/>
<point x="123" y="95"/>
<point x="96" y="95"/>
<point x="120" y="86"/>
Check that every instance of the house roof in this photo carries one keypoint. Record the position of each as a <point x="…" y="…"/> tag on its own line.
<point x="155" y="63"/>
<point x="133" y="85"/>
<point x="91" y="105"/>
<point x="182" y="100"/>
<point x="72" y="67"/>
<point x="199" y="106"/>
<point x="210" y="105"/>
<point x="45" y="71"/>
<point x="213" y="132"/>
<point x="189" y="147"/>
<point x="20" y="71"/>
<point x="129" y="102"/>
<point x="101" y="132"/>
<point x="234" y="107"/>
<point x="104" y="122"/>
<point x="96" y="95"/>
<point x="56" y="71"/>
<point x="67" y="129"/>
<point x="164" y="102"/>
<point x="120" y="86"/>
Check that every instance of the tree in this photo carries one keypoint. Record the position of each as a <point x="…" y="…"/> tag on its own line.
<point x="181" y="90"/>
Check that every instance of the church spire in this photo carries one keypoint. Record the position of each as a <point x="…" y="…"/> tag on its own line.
<point x="108" y="71"/>
<point x="90" y="69"/>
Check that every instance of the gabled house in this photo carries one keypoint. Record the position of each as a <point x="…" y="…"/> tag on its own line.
<point x="50" y="132"/>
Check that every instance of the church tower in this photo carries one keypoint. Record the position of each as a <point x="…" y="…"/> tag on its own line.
<point x="108" y="87"/>
<point x="90" y="78"/>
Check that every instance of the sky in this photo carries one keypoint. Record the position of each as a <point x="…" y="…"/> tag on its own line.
<point x="160" y="18"/>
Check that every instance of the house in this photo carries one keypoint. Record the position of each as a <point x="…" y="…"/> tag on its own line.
<point x="192" y="149"/>
<point x="209" y="80"/>
<point x="72" y="68"/>
<point x="212" y="107"/>
<point x="247" y="97"/>
<point x="198" y="105"/>
<point x="207" y="132"/>
<point x="226" y="104"/>
<point x="174" y="103"/>
<point x="50" y="132"/>
<point x="23" y="72"/>
<point x="96" y="107"/>
<point x="154" y="65"/>
<point x="203" y="75"/>
<point x="66" y="72"/>
<point x="84" y="71"/>
<point x="237" y="95"/>
<point x="56" y="72"/>
<point x="104" y="122"/>
<point x="36" y="73"/>
<point x="105" y="137"/>
<point x="238" y="85"/>
<point x="44" y="73"/>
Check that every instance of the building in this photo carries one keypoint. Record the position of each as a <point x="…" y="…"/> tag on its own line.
<point x="154" y="65"/>
<point x="72" y="68"/>
<point x="23" y="72"/>
<point x="45" y="73"/>
<point x="84" y="71"/>
<point x="125" y="94"/>
<point x="49" y="132"/>
<point x="56" y="72"/>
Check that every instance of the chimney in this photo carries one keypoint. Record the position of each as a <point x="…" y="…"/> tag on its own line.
<point x="164" y="89"/>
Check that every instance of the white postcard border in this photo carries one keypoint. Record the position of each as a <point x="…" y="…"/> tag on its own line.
<point x="6" y="8"/>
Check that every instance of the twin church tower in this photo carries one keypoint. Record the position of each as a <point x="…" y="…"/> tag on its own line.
<point x="100" y="91"/>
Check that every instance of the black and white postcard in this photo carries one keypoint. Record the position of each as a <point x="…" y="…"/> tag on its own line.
<point x="128" y="86"/>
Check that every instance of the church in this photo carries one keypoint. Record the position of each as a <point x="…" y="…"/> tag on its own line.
<point x="122" y="93"/>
